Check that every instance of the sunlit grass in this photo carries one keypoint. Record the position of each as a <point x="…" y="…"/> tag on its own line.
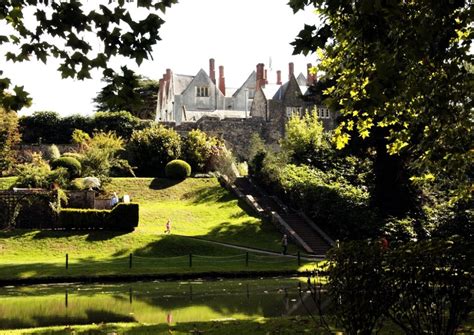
<point x="197" y="208"/>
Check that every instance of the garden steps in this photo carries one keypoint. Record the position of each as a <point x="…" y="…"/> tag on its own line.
<point x="313" y="239"/>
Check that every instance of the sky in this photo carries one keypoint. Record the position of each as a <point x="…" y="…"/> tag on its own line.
<point x="237" y="34"/>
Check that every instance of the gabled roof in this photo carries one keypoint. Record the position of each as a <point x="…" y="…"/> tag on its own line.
<point x="201" y="74"/>
<point x="181" y="82"/>
<point x="301" y="79"/>
<point x="249" y="83"/>
<point x="270" y="90"/>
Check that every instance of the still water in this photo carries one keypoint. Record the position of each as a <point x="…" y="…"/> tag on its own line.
<point x="150" y="302"/>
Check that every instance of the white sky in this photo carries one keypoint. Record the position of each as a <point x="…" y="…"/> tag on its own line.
<point x="237" y="34"/>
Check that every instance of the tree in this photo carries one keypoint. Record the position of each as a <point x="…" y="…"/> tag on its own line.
<point x="9" y="136"/>
<point x="128" y="92"/>
<point x="66" y="30"/>
<point x="403" y="82"/>
<point x="150" y="149"/>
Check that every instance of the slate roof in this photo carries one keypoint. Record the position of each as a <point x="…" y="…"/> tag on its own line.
<point x="181" y="82"/>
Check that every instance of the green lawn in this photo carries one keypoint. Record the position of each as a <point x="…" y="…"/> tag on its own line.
<point x="197" y="208"/>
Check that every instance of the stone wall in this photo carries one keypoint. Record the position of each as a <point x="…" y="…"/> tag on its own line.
<point x="236" y="133"/>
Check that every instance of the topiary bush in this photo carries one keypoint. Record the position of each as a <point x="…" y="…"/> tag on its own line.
<point x="149" y="150"/>
<point x="70" y="163"/>
<point x="177" y="169"/>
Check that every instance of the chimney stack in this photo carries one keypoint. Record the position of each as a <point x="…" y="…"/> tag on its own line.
<point x="266" y="77"/>
<point x="260" y="82"/>
<point x="310" y="78"/>
<point x="221" y="80"/>
<point x="291" y="70"/>
<point x="212" y="71"/>
<point x="278" y="77"/>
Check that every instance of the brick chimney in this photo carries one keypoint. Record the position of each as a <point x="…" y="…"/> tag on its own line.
<point x="212" y="71"/>
<point x="266" y="77"/>
<point x="291" y="70"/>
<point x="310" y="78"/>
<point x="278" y="77"/>
<point x="260" y="81"/>
<point x="221" y="80"/>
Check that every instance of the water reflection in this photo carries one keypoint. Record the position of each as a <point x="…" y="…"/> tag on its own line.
<point x="156" y="302"/>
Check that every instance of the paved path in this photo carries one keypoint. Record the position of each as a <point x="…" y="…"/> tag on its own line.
<point x="260" y="251"/>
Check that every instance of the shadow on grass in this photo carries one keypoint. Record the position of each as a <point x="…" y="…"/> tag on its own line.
<point x="209" y="194"/>
<point x="163" y="183"/>
<point x="170" y="246"/>
<point x="92" y="235"/>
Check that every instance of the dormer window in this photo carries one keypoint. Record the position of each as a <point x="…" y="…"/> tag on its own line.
<point x="202" y="91"/>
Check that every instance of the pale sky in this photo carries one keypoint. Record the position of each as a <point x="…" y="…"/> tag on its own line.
<point x="237" y="34"/>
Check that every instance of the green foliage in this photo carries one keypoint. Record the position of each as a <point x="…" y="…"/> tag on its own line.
<point x="341" y="209"/>
<point x="72" y="165"/>
<point x="149" y="150"/>
<point x="357" y="287"/>
<point x="432" y="281"/>
<point x="75" y="29"/>
<point x="306" y="142"/>
<point x="9" y="136"/>
<point x="123" y="217"/>
<point x="75" y="218"/>
<point x="52" y="153"/>
<point x="403" y="81"/>
<point x="123" y="123"/>
<point x="223" y="161"/>
<point x="128" y="92"/>
<point x="49" y="127"/>
<point x="41" y="127"/>
<point x="100" y="155"/>
<point x="257" y="153"/>
<point x="424" y="287"/>
<point x="177" y="169"/>
<point x="197" y="149"/>
<point x="34" y="174"/>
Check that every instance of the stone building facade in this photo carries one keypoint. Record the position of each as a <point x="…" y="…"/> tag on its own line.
<point x="257" y="106"/>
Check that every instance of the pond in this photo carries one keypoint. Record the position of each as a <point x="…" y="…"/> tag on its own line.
<point x="150" y="302"/>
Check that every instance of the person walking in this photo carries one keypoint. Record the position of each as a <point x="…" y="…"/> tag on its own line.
<point x="284" y="243"/>
<point x="168" y="227"/>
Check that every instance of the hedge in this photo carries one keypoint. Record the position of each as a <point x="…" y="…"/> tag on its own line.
<point x="123" y="217"/>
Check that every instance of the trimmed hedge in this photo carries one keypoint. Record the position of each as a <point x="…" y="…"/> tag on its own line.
<point x="72" y="165"/>
<point x="177" y="169"/>
<point x="123" y="217"/>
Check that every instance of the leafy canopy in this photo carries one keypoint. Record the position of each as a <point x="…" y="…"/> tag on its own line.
<point x="129" y="92"/>
<point x="67" y="30"/>
<point x="402" y="73"/>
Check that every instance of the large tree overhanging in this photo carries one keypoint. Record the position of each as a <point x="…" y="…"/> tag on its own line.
<point x="403" y="73"/>
<point x="65" y="30"/>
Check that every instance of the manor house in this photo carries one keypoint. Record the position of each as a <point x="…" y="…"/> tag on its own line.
<point x="261" y="104"/>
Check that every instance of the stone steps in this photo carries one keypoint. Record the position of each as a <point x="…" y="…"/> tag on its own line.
<point x="300" y="226"/>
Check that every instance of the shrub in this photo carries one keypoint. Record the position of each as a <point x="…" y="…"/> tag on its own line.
<point x="123" y="217"/>
<point x="9" y="136"/>
<point x="122" y="123"/>
<point x="341" y="209"/>
<point x="177" y="169"/>
<point x="150" y="149"/>
<point x="78" y="218"/>
<point x="52" y="153"/>
<point x="71" y="164"/>
<point x="41" y="127"/>
<point x="197" y="149"/>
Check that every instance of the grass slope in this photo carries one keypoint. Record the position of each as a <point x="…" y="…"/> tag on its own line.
<point x="197" y="207"/>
